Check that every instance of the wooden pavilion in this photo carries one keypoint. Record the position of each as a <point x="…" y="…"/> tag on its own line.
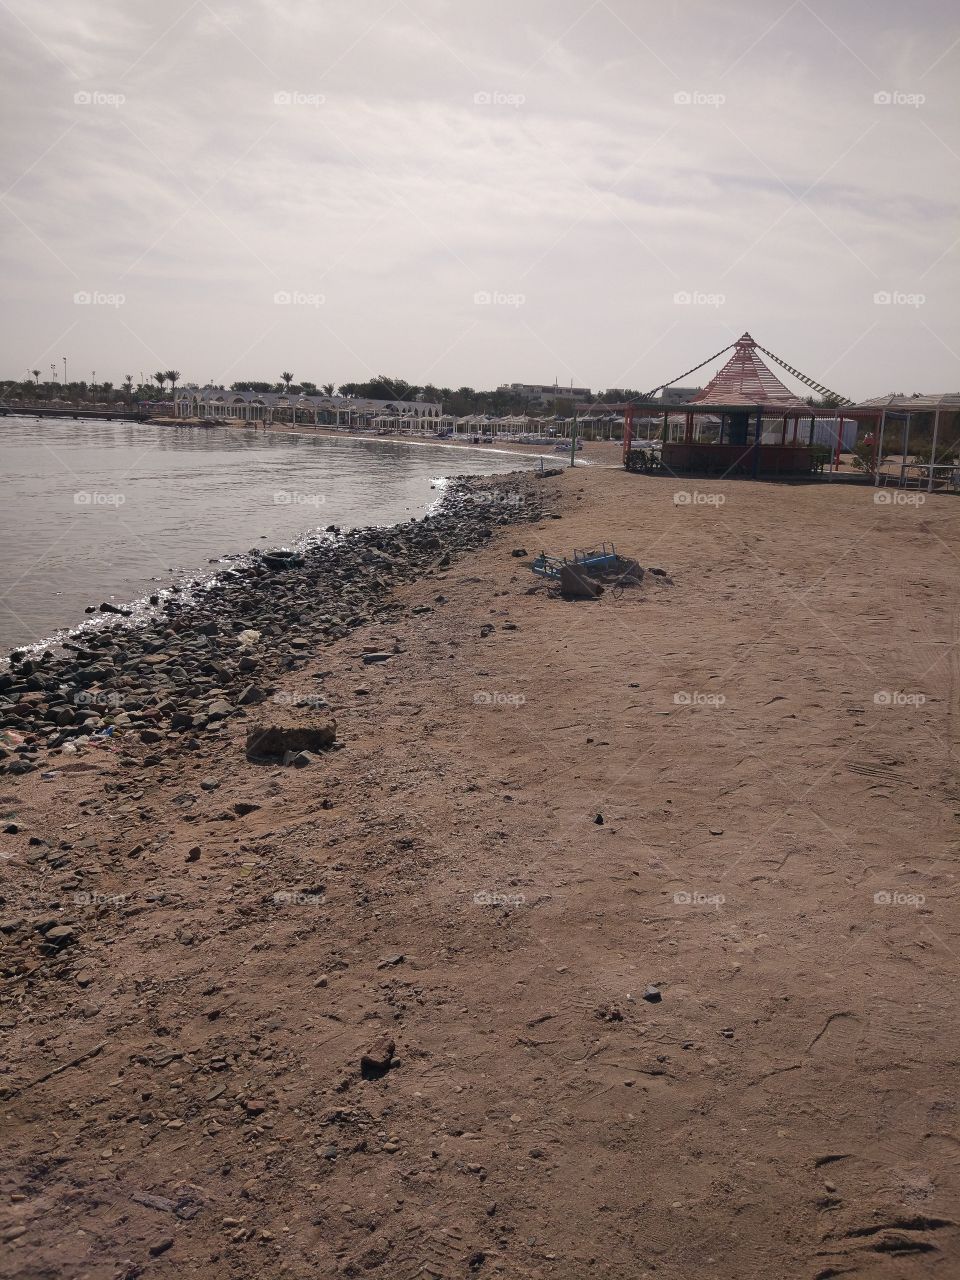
<point x="753" y="407"/>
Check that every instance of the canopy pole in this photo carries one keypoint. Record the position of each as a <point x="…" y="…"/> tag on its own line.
<point x="878" y="446"/>
<point x="757" y="436"/>
<point x="933" y="449"/>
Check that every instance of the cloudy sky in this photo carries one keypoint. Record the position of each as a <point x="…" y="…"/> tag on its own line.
<point x="466" y="192"/>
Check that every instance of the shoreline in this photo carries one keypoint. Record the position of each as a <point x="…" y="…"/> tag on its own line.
<point x="659" y="886"/>
<point x="69" y="669"/>
<point x="141" y="606"/>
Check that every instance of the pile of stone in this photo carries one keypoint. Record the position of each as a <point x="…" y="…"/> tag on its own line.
<point x="206" y="655"/>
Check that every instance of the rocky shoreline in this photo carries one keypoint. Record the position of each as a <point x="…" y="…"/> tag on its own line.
<point x="207" y="655"/>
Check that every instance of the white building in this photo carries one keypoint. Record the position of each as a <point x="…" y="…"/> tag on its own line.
<point x="545" y="395"/>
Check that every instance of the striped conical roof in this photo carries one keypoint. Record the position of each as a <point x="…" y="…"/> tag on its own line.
<point x="746" y="380"/>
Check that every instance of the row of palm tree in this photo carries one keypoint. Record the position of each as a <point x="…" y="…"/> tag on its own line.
<point x="161" y="378"/>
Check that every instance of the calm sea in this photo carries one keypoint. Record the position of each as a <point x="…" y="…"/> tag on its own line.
<point x="95" y="511"/>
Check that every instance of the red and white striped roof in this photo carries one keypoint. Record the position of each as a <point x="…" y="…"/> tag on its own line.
<point x="746" y="380"/>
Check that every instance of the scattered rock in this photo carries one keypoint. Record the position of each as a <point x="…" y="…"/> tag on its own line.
<point x="376" y="1061"/>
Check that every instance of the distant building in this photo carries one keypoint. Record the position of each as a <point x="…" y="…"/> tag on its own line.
<point x="538" y="393"/>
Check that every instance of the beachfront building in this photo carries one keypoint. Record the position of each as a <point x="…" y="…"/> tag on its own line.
<point x="214" y="404"/>
<point x="540" y="394"/>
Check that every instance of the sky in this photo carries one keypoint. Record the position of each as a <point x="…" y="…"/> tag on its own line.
<point x="597" y="192"/>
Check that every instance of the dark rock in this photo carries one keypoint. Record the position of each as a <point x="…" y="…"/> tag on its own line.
<point x="376" y="1061"/>
<point x="273" y="741"/>
<point x="653" y="995"/>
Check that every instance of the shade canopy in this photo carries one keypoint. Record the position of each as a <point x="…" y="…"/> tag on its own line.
<point x="746" y="380"/>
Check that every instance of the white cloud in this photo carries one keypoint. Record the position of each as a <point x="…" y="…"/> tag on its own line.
<point x="576" y="179"/>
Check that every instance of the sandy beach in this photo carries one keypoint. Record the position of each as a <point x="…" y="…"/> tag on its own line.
<point x="646" y="905"/>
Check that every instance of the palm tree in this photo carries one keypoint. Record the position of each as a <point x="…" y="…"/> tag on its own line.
<point x="329" y="388"/>
<point x="128" y="386"/>
<point x="173" y="377"/>
<point x="36" y="374"/>
<point x="286" y="379"/>
<point x="160" y="379"/>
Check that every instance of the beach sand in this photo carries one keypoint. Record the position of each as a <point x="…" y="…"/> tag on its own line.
<point x="713" y="1034"/>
